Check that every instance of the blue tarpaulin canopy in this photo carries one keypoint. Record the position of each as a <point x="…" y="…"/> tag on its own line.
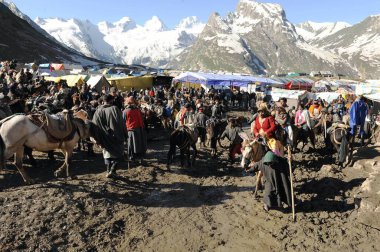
<point x="209" y="79"/>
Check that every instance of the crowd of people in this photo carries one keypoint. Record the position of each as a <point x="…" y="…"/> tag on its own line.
<point x="124" y="117"/>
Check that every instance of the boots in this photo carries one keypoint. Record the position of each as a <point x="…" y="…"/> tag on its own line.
<point x="111" y="169"/>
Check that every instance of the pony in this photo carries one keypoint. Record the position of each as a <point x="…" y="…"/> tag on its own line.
<point x="253" y="151"/>
<point x="183" y="137"/>
<point x="18" y="131"/>
<point x="214" y="129"/>
<point x="340" y="140"/>
<point x="295" y="135"/>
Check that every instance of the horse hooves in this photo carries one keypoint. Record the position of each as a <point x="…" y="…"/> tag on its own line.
<point x="29" y="181"/>
<point x="59" y="174"/>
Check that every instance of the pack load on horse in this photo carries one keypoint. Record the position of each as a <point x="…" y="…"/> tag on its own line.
<point x="42" y="132"/>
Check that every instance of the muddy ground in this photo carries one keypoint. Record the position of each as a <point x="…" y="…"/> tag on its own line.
<point x="204" y="208"/>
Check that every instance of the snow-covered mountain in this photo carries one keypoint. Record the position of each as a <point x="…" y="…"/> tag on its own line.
<point x="359" y="44"/>
<point x="257" y="38"/>
<point x="313" y="31"/>
<point x="125" y="41"/>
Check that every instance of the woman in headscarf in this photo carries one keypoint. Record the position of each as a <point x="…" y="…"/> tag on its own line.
<point x="264" y="125"/>
<point x="135" y="127"/>
<point x="276" y="180"/>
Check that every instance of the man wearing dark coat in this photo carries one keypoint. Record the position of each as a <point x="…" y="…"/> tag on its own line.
<point x="275" y="171"/>
<point x="110" y="133"/>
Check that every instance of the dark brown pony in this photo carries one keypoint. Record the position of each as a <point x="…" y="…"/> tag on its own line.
<point x="183" y="138"/>
<point x="340" y="141"/>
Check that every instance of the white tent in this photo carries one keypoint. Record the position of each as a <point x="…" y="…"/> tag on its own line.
<point x="98" y="82"/>
<point x="277" y="93"/>
<point x="327" y="96"/>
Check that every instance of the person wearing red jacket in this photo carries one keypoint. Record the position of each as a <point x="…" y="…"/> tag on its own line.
<point x="135" y="126"/>
<point x="264" y="125"/>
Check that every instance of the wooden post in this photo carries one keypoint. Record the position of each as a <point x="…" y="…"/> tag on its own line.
<point x="291" y="183"/>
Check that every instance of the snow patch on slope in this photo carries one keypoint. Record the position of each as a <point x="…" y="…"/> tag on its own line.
<point x="319" y="53"/>
<point x="232" y="43"/>
<point x="313" y="31"/>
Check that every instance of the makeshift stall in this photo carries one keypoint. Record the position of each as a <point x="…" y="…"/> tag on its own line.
<point x="327" y="96"/>
<point x="219" y="81"/>
<point x="293" y="96"/>
<point x="71" y="80"/>
<point x="126" y="83"/>
<point x="294" y="83"/>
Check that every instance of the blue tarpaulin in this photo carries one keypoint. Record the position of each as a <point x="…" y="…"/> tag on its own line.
<point x="209" y="79"/>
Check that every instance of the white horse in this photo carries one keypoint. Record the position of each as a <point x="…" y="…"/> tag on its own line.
<point x="19" y="131"/>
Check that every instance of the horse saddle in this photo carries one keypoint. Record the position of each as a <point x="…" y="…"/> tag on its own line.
<point x="192" y="131"/>
<point x="59" y="125"/>
<point x="340" y="125"/>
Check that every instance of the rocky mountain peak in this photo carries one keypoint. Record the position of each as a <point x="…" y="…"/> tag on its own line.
<point x="254" y="9"/>
<point x="217" y="23"/>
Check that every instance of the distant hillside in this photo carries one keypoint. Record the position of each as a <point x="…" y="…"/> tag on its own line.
<point x="20" y="40"/>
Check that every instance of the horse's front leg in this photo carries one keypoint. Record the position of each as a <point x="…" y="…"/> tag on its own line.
<point x="182" y="157"/>
<point x="195" y="154"/>
<point x="63" y="171"/>
<point x="68" y="160"/>
<point x="19" y="155"/>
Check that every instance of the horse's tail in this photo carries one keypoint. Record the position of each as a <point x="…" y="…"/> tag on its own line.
<point x="2" y="153"/>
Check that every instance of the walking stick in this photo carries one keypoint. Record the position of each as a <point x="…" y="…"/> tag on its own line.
<point x="291" y="183"/>
<point x="325" y="125"/>
<point x="128" y="157"/>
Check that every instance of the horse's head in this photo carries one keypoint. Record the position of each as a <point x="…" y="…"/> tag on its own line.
<point x="83" y="127"/>
<point x="252" y="151"/>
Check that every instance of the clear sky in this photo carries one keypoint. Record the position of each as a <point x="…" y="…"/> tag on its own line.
<point x="172" y="11"/>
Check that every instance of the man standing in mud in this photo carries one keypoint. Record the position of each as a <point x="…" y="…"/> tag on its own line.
<point x="110" y="133"/>
<point x="358" y="113"/>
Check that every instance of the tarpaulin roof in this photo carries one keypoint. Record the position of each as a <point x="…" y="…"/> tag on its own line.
<point x="371" y="87"/>
<point x="222" y="79"/>
<point x="126" y="83"/>
<point x="45" y="65"/>
<point x="374" y="97"/>
<point x="73" y="79"/>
